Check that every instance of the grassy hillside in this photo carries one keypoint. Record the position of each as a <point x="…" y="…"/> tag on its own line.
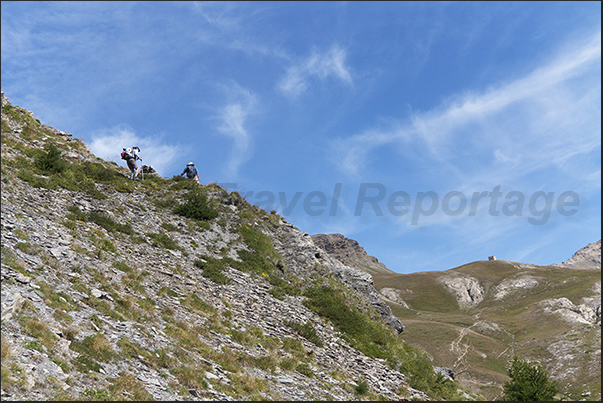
<point x="477" y="341"/>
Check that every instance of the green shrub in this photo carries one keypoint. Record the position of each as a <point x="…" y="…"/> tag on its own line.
<point x="29" y="133"/>
<point x="183" y="183"/>
<point x="75" y="213"/>
<point x="529" y="382"/>
<point x="262" y="259"/>
<point x="37" y="329"/>
<point x="36" y="181"/>
<point x="292" y="345"/>
<point x="266" y="363"/>
<point x="305" y="369"/>
<point x="169" y="227"/>
<point x="212" y="269"/>
<point x="282" y="287"/>
<point x="57" y="300"/>
<point x="259" y="242"/>
<point x="190" y="377"/>
<point x="34" y="345"/>
<point x="167" y="291"/>
<point x="164" y="203"/>
<point x="51" y="161"/>
<point x="288" y="363"/>
<point x="62" y="364"/>
<point x="85" y="364"/>
<point x="196" y="206"/>
<point x="122" y="266"/>
<point x="362" y="387"/>
<point x="5" y="129"/>
<point x="131" y="349"/>
<point x="160" y="358"/>
<point x="18" y="115"/>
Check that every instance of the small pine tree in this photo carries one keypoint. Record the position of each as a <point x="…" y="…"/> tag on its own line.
<point x="196" y="206"/>
<point x="51" y="160"/>
<point x="529" y="383"/>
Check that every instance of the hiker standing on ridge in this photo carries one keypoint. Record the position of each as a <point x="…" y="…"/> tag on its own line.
<point x="191" y="172"/>
<point x="131" y="155"/>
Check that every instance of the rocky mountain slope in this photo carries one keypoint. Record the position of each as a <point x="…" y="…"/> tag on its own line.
<point x="349" y="252"/>
<point x="164" y="289"/>
<point x="474" y="318"/>
<point x="588" y="257"/>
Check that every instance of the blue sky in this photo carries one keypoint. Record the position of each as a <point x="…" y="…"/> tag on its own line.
<point x="433" y="133"/>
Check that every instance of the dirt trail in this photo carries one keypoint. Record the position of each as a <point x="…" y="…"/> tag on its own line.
<point x="461" y="349"/>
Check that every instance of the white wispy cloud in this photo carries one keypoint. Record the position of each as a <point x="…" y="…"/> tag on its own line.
<point x="232" y="123"/>
<point x="237" y="26"/>
<point x="108" y="143"/>
<point x="221" y="15"/>
<point x="543" y="118"/>
<point x="331" y="63"/>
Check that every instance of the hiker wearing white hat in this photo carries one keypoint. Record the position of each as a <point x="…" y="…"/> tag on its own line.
<point x="191" y="172"/>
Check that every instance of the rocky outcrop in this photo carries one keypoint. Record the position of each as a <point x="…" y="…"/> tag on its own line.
<point x="363" y="283"/>
<point x="301" y="251"/>
<point x="587" y="258"/>
<point x="149" y="170"/>
<point x="393" y="295"/>
<point x="350" y="262"/>
<point x="349" y="252"/>
<point x="467" y="290"/>
<point x="509" y="286"/>
<point x="587" y="312"/>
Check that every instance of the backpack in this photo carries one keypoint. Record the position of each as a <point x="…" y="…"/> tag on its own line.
<point x="125" y="155"/>
<point x="191" y="172"/>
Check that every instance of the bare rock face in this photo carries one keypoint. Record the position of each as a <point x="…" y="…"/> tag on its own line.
<point x="349" y="252"/>
<point x="466" y="289"/>
<point x="588" y="258"/>
<point x="393" y="295"/>
<point x="588" y="312"/>
<point x="509" y="286"/>
<point x="350" y="262"/>
<point x="308" y="254"/>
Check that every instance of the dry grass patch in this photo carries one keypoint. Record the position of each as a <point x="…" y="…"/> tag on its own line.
<point x="96" y="347"/>
<point x="40" y="331"/>
<point x="128" y="385"/>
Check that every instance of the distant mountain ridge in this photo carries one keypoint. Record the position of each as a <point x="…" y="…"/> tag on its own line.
<point x="473" y="318"/>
